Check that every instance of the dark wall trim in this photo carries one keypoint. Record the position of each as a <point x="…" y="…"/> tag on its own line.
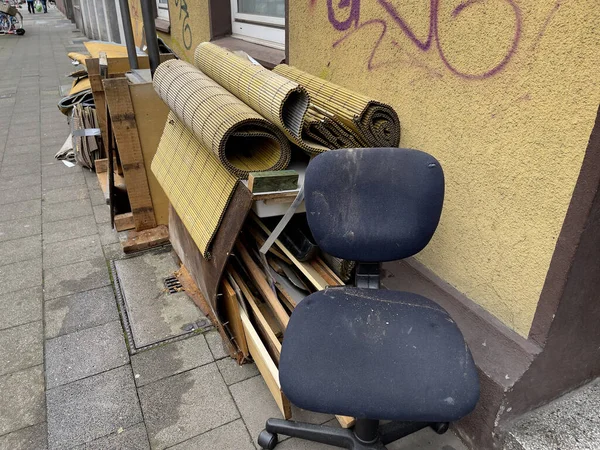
<point x="287" y="31"/>
<point x="219" y="13"/>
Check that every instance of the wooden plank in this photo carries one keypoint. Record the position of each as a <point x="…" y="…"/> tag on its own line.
<point x="309" y="272"/>
<point x="142" y="240"/>
<point x="260" y="240"/>
<point x="150" y="116"/>
<point x="124" y="222"/>
<point x="272" y="181"/>
<point x="282" y="196"/>
<point x="130" y="151"/>
<point x="258" y="277"/>
<point x="262" y="322"/>
<point x="266" y="366"/>
<point x="231" y="311"/>
<point x="325" y="271"/>
<point x="345" y="421"/>
<point x="101" y="165"/>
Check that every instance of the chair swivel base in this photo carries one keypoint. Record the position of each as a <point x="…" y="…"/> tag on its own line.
<point x="366" y="435"/>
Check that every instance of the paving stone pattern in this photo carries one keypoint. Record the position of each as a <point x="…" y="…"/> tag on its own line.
<point x="66" y="377"/>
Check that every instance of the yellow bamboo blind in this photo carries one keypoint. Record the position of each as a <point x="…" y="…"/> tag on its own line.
<point x="194" y="181"/>
<point x="239" y="137"/>
<point x="376" y="123"/>
<point x="277" y="98"/>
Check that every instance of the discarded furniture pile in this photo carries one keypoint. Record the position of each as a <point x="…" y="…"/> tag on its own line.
<point x="231" y="162"/>
<point x="116" y="121"/>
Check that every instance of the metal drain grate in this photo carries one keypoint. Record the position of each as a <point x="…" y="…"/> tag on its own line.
<point x="172" y="284"/>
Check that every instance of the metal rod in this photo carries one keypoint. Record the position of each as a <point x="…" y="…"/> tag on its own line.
<point x="128" y="31"/>
<point x="150" y="30"/>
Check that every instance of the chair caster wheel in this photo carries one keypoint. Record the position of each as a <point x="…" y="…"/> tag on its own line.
<point x="440" y="427"/>
<point x="267" y="440"/>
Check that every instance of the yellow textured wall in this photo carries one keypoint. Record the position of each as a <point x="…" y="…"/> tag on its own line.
<point x="503" y="92"/>
<point x="189" y="25"/>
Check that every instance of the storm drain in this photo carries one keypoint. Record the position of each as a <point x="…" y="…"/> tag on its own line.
<point x="153" y="305"/>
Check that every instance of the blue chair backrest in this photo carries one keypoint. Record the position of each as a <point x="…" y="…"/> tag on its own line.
<point x="373" y="204"/>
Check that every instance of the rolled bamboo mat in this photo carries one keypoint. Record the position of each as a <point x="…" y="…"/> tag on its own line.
<point x="376" y="123"/>
<point x="278" y="99"/>
<point x="240" y="138"/>
<point x="194" y="181"/>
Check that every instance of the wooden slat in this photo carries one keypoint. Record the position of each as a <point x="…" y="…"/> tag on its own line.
<point x="101" y="165"/>
<point x="266" y="366"/>
<point x="264" y="288"/>
<point x="130" y="151"/>
<point x="325" y="271"/>
<point x="262" y="322"/>
<point x="231" y="311"/>
<point x="273" y="181"/>
<point x="145" y="239"/>
<point x="124" y="222"/>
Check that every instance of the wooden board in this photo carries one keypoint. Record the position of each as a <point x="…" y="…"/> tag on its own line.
<point x="124" y="127"/>
<point x="145" y="239"/>
<point x="207" y="272"/>
<point x="101" y="165"/>
<point x="258" y="278"/>
<point x="265" y="365"/>
<point x="272" y="181"/>
<point x="233" y="322"/>
<point x="124" y="222"/>
<point x="271" y="338"/>
<point x="103" y="181"/>
<point x="150" y="116"/>
<point x="93" y="68"/>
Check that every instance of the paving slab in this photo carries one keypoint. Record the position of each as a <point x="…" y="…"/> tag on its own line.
<point x="154" y="314"/>
<point x="52" y="212"/>
<point x="21" y="347"/>
<point x="61" y="181"/>
<point x="83" y="353"/>
<point x="91" y="408"/>
<point x="231" y="436"/>
<point x="427" y="439"/>
<point x="27" y="226"/>
<point x="571" y="422"/>
<point x="22" y="393"/>
<point x="108" y="235"/>
<point x="233" y="373"/>
<point x="72" y="251"/>
<point x="185" y="405"/>
<point x="65" y="194"/>
<point x="96" y="196"/>
<point x="19" y="181"/>
<point x="30" y="438"/>
<point x="61" y="281"/>
<point x="64" y="230"/>
<point x="52" y="170"/>
<point x="20" y="169"/>
<point x="113" y="251"/>
<point x="20" y="210"/>
<point x="215" y="343"/>
<point x="80" y="311"/>
<point x="16" y="160"/>
<point x="19" y="250"/>
<point x="256" y="405"/>
<point x="20" y="307"/>
<point x="102" y="213"/>
<point x="170" y="359"/>
<point x="134" y="438"/>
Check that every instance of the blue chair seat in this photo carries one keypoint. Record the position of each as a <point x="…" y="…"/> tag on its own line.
<point x="377" y="354"/>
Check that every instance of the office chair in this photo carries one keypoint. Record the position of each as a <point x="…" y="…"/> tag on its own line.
<point x="361" y="351"/>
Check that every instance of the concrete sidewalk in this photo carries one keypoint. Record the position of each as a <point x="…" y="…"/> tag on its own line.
<point x="66" y="377"/>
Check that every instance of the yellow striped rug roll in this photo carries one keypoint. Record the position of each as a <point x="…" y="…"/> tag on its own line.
<point x="375" y="122"/>
<point x="241" y="138"/>
<point x="194" y="180"/>
<point x="277" y="98"/>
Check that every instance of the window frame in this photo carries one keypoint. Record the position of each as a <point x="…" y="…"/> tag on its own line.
<point x="162" y="11"/>
<point x="264" y="30"/>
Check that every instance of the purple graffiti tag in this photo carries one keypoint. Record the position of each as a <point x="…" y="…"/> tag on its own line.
<point x="353" y="16"/>
<point x="433" y="34"/>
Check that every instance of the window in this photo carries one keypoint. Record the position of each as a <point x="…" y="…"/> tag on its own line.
<point x="162" y="7"/>
<point x="260" y="21"/>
